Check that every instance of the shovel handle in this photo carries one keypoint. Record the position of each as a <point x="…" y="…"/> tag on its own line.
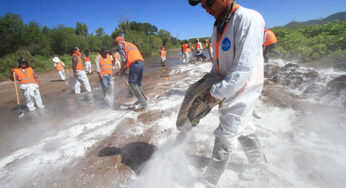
<point x="15" y="86"/>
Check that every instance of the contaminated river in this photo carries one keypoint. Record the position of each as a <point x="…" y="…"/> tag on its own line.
<point x="80" y="141"/>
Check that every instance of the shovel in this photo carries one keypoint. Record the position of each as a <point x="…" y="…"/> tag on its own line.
<point x="20" y="111"/>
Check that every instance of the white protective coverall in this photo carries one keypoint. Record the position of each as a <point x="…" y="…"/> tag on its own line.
<point x="199" y="50"/>
<point x="61" y="72"/>
<point x="31" y="93"/>
<point x="241" y="61"/>
<point x="88" y="66"/>
<point x="81" y="77"/>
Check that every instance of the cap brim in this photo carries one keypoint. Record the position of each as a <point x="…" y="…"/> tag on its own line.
<point x="194" y="2"/>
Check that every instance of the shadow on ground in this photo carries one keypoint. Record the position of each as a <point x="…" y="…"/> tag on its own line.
<point x="133" y="155"/>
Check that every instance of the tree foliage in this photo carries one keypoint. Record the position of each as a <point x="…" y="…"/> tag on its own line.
<point x="39" y="43"/>
<point x="313" y="42"/>
<point x="147" y="37"/>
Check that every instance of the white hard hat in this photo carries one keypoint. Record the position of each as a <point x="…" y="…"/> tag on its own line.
<point x="56" y="60"/>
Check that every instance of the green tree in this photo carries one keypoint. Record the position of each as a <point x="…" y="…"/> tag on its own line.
<point x="11" y="33"/>
<point x="82" y="29"/>
<point x="100" y="32"/>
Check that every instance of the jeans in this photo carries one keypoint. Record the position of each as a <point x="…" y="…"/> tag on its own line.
<point x="136" y="73"/>
<point x="135" y="80"/>
<point x="106" y="83"/>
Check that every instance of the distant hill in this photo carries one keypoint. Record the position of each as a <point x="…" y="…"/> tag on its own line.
<point x="341" y="16"/>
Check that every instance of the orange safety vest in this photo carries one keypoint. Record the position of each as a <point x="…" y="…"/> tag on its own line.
<point x="270" y="38"/>
<point x="163" y="53"/>
<point x="116" y="55"/>
<point x="198" y="46"/>
<point x="235" y="7"/>
<point x="79" y="65"/>
<point x="106" y="65"/>
<point x="185" y="48"/>
<point x="59" y="66"/>
<point x="132" y="54"/>
<point x="25" y="77"/>
<point x="86" y="59"/>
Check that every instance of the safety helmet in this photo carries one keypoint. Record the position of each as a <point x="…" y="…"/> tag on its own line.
<point x="22" y="60"/>
<point x="56" y="60"/>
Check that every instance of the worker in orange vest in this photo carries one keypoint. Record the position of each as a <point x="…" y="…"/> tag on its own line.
<point x="132" y="59"/>
<point x="185" y="52"/>
<point x="163" y="54"/>
<point x="210" y="48"/>
<point x="198" y="47"/>
<point x="191" y="51"/>
<point x="78" y="72"/>
<point x="28" y="83"/>
<point x="105" y="70"/>
<point x="116" y="60"/>
<point x="60" y="67"/>
<point x="87" y="63"/>
<point x="269" y="44"/>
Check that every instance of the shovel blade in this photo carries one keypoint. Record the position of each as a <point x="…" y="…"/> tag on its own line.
<point x="20" y="112"/>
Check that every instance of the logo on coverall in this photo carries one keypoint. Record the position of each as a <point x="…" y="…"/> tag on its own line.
<point x="226" y="44"/>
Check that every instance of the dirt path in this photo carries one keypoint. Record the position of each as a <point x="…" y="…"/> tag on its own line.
<point x="50" y="84"/>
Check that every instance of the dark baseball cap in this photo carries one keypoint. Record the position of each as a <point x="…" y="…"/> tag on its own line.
<point x="194" y="2"/>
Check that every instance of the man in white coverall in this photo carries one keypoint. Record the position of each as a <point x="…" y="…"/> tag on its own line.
<point x="78" y="72"/>
<point x="28" y="83"/>
<point x="60" y="67"/>
<point x="237" y="40"/>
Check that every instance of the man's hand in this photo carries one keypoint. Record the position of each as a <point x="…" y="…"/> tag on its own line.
<point x="210" y="98"/>
<point x="101" y="76"/>
<point x="75" y="74"/>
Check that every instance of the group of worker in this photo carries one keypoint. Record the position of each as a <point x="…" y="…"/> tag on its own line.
<point x="188" y="49"/>
<point x="126" y="57"/>
<point x="268" y="47"/>
<point x="238" y="37"/>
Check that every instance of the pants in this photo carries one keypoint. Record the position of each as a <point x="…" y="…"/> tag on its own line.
<point x="117" y="65"/>
<point x="269" y="49"/>
<point x="163" y="61"/>
<point x="135" y="80"/>
<point x="186" y="57"/>
<point x="235" y="121"/>
<point x="88" y="67"/>
<point x="62" y="74"/>
<point x="81" y="77"/>
<point x="106" y="83"/>
<point x="31" y="93"/>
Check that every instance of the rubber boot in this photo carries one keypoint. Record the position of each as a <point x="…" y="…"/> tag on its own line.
<point x="142" y="103"/>
<point x="254" y="155"/>
<point x="218" y="162"/>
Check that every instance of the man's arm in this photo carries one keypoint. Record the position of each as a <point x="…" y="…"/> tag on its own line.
<point x="74" y="64"/>
<point x="248" y="47"/>
<point x="97" y="65"/>
<point x="12" y="75"/>
<point x="123" y="59"/>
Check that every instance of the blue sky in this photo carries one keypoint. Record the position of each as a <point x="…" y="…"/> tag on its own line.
<point x="175" y="16"/>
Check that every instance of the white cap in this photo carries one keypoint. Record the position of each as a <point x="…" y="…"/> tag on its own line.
<point x="56" y="60"/>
